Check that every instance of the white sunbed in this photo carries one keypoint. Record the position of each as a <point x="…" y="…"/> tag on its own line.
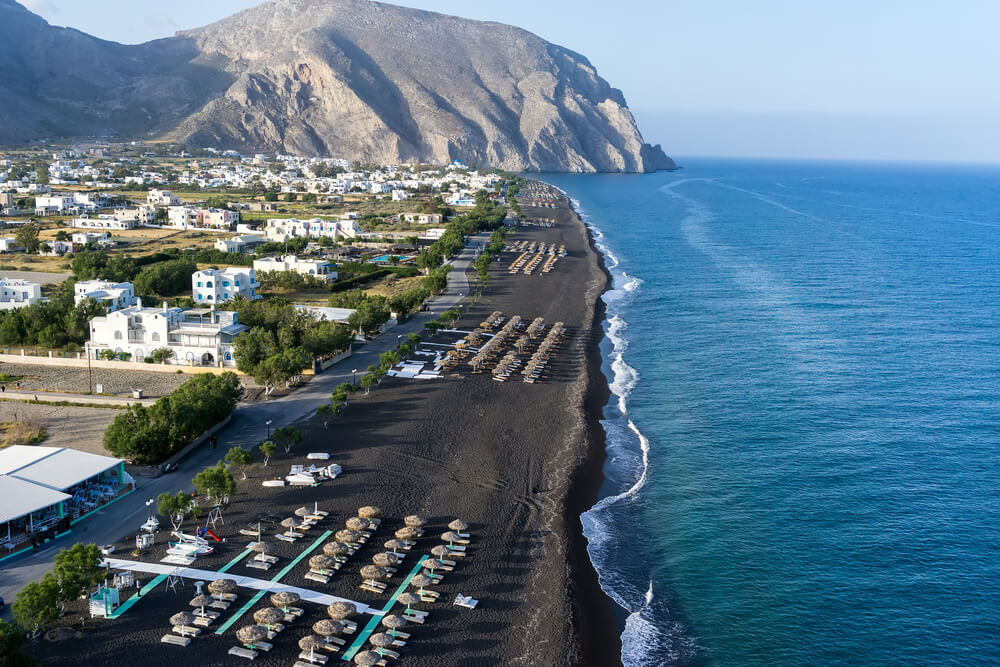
<point x="175" y="640"/>
<point x="466" y="601"/>
<point x="318" y="456"/>
<point x="243" y="652"/>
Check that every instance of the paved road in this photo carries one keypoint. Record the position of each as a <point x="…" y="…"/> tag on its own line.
<point x="248" y="429"/>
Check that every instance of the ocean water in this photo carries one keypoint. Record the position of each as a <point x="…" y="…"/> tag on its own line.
<point x="804" y="436"/>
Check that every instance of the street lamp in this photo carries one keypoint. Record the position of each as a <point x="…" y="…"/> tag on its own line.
<point x="399" y="340"/>
<point x="268" y="423"/>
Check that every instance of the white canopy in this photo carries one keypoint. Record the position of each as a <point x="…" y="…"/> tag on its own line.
<point x="55" y="467"/>
<point x="21" y="498"/>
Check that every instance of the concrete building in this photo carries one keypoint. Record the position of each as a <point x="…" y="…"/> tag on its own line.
<point x="321" y="313"/>
<point x="319" y="268"/>
<point x="54" y="204"/>
<point x="162" y="198"/>
<point x="8" y="244"/>
<point x="83" y="238"/>
<point x="212" y="286"/>
<point x="17" y="293"/>
<point x="286" y="229"/>
<point x="103" y="222"/>
<point x="198" y="337"/>
<point x="242" y="243"/>
<point x="423" y="218"/>
<point x="114" y="296"/>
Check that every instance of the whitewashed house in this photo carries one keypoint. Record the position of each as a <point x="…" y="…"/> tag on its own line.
<point x="54" y="204"/>
<point x="55" y="248"/>
<point x="241" y="243"/>
<point x="423" y="218"/>
<point x="212" y="286"/>
<point x="114" y="296"/>
<point x="199" y="337"/>
<point x="8" y="244"/>
<point x="16" y="293"/>
<point x="83" y="238"/>
<point x="103" y="222"/>
<point x="319" y="268"/>
<point x="162" y="198"/>
<point x="286" y="229"/>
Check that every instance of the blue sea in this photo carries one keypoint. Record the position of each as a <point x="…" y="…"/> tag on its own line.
<point x="804" y="437"/>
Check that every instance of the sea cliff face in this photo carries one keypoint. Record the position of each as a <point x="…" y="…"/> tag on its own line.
<point x="350" y="78"/>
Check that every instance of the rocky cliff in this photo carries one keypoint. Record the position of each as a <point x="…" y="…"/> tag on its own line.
<point x="349" y="78"/>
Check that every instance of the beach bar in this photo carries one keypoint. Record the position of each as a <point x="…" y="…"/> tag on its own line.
<point x="44" y="489"/>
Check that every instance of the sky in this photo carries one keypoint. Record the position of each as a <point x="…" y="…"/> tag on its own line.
<point x="843" y="79"/>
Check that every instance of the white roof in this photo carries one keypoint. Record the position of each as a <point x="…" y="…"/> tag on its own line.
<point x="329" y="314"/>
<point x="21" y="498"/>
<point x="55" y="467"/>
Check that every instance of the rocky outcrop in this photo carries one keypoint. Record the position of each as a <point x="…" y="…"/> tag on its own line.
<point x="350" y="78"/>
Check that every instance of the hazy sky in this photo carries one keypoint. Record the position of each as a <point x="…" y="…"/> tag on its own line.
<point x="883" y="79"/>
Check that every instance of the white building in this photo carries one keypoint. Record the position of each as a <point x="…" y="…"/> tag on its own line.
<point x="183" y="217"/>
<point x="162" y="198"/>
<point x="286" y="229"/>
<point x="321" y="313"/>
<point x="103" y="222"/>
<point x="54" y="204"/>
<point x="8" y="244"/>
<point x="15" y="293"/>
<point x="54" y="248"/>
<point x="143" y="215"/>
<point x="83" y="238"/>
<point x="241" y="243"/>
<point x="400" y="195"/>
<point x="319" y="268"/>
<point x="213" y="286"/>
<point x="113" y="295"/>
<point x="201" y="337"/>
<point x="423" y="218"/>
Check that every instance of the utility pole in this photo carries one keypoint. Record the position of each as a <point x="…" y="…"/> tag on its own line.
<point x="90" y="371"/>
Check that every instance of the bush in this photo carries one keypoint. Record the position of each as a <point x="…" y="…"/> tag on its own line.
<point x="166" y="278"/>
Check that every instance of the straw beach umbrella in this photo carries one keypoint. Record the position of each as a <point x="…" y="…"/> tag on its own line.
<point x="249" y="635"/>
<point x="322" y="562"/>
<point x="458" y="526"/>
<point x="289" y="523"/>
<point x="394" y="622"/>
<point x="310" y="643"/>
<point x="182" y="618"/>
<point x="450" y="537"/>
<point x="222" y="587"/>
<point x="407" y="533"/>
<point x="356" y="523"/>
<point x="269" y="617"/>
<point x="384" y="559"/>
<point x="302" y="512"/>
<point x="408" y="599"/>
<point x="431" y="565"/>
<point x="348" y="536"/>
<point x="415" y="520"/>
<point x="374" y="572"/>
<point x="262" y="549"/>
<point x="420" y="581"/>
<point x="395" y="545"/>
<point x="341" y="610"/>
<point x="369" y="512"/>
<point x="441" y="551"/>
<point x="336" y="549"/>
<point x="327" y="628"/>
<point x="284" y="599"/>
<point x="381" y="642"/>
<point x="201" y="601"/>
<point x="367" y="658"/>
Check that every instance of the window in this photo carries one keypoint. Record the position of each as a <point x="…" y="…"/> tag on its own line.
<point x="200" y="297"/>
<point x="209" y="297"/>
<point x="225" y="283"/>
<point x="199" y="284"/>
<point x="208" y="284"/>
<point x="237" y="283"/>
<point x="118" y="335"/>
<point x="156" y="337"/>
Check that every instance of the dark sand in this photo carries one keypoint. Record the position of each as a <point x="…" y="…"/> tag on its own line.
<point x="519" y="462"/>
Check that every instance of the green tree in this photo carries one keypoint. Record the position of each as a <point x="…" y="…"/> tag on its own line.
<point x="76" y="568"/>
<point x="369" y="315"/>
<point x="367" y="381"/>
<point x="288" y="437"/>
<point x="135" y="436"/>
<point x="61" y="235"/>
<point x="26" y="236"/>
<point x="268" y="448"/>
<point x="215" y="482"/>
<point x="241" y="458"/>
<point x="162" y="354"/>
<point x="11" y="640"/>
<point x="271" y="195"/>
<point x="166" y="278"/>
<point x="174" y="508"/>
<point x="37" y="604"/>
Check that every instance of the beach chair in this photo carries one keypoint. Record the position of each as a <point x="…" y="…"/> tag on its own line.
<point x="313" y="575"/>
<point x="371" y="587"/>
<point x="314" y="658"/>
<point x="465" y="601"/>
<point x="290" y="536"/>
<point x="242" y="652"/>
<point x="175" y="640"/>
<point x="186" y="630"/>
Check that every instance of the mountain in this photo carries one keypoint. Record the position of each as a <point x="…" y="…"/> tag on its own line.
<point x="349" y="78"/>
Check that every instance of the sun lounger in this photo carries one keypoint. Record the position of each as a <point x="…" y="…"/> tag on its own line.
<point x="175" y="640"/>
<point x="312" y="575"/>
<point x="248" y="532"/>
<point x="466" y="601"/>
<point x="294" y="612"/>
<point x="334" y="644"/>
<point x="315" y="517"/>
<point x="314" y="658"/>
<point x="207" y="614"/>
<point x="273" y="482"/>
<point x="219" y="604"/>
<point x="414" y="619"/>
<point x="186" y="630"/>
<point x="203" y="621"/>
<point x="287" y="537"/>
<point x="263" y="646"/>
<point x="174" y="559"/>
<point x="255" y="564"/>
<point x="318" y="456"/>
<point x="371" y="589"/>
<point x="350" y="627"/>
<point x="243" y="652"/>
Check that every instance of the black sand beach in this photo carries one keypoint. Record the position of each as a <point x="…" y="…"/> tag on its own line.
<point x="519" y="462"/>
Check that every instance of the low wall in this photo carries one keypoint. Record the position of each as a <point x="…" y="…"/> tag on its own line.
<point x="320" y="366"/>
<point x="200" y="440"/>
<point x="70" y="362"/>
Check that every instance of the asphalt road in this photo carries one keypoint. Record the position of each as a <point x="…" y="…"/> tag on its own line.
<point x="248" y="429"/>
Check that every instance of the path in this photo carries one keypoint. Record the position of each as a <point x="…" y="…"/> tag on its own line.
<point x="249" y="429"/>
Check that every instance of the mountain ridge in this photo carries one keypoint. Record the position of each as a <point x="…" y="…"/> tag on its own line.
<point x="320" y="77"/>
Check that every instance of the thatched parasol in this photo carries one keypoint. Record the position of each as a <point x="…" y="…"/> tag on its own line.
<point x="262" y="547"/>
<point x="289" y="523"/>
<point x="408" y="599"/>
<point x="222" y="586"/>
<point x="369" y="512"/>
<point x="420" y="581"/>
<point x="374" y="572"/>
<point x="302" y="512"/>
<point x="283" y="599"/>
<point x="393" y="622"/>
<point x="201" y="601"/>
<point x="356" y="523"/>
<point x="328" y="628"/>
<point x="367" y="658"/>
<point x="407" y="533"/>
<point x="182" y="618"/>
<point x="382" y="640"/>
<point x="310" y="643"/>
<point x="322" y="562"/>
<point x="338" y="611"/>
<point x="458" y="526"/>
<point x="268" y="616"/>
<point x="395" y="545"/>
<point x="348" y="536"/>
<point x="415" y="520"/>
<point x="440" y="551"/>
<point x="385" y="559"/>
<point x="431" y="564"/>
<point x="336" y="549"/>
<point x="251" y="634"/>
<point x="450" y="537"/>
